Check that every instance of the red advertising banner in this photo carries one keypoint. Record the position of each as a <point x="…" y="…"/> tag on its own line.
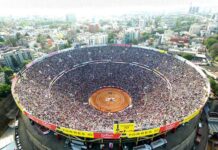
<point x="122" y="45"/>
<point x="106" y="135"/>
<point x="42" y="123"/>
<point x="169" y="126"/>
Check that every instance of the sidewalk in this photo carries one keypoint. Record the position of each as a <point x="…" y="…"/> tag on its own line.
<point x="7" y="141"/>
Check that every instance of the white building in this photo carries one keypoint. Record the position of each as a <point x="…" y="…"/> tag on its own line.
<point x="92" y="39"/>
<point x="195" y="29"/>
<point x="141" y="23"/>
<point x="212" y="28"/>
<point x="166" y="36"/>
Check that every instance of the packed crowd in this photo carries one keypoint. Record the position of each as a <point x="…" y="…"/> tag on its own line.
<point x="163" y="89"/>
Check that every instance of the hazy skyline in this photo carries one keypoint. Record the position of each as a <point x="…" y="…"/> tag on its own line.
<point x="95" y="7"/>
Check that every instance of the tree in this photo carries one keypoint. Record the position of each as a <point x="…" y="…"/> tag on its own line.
<point x="48" y="37"/>
<point x="214" y="86"/>
<point x="111" y="37"/>
<point x="8" y="74"/>
<point x="2" y="39"/>
<point x="42" y="40"/>
<point x="187" y="56"/>
<point x="5" y="89"/>
<point x="25" y="62"/>
<point x="18" y="35"/>
<point x="214" y="50"/>
<point x="210" y="42"/>
<point x="212" y="45"/>
<point x="2" y="44"/>
<point x="145" y="36"/>
<point x="35" y="45"/>
<point x="12" y="41"/>
<point x="134" y="41"/>
<point x="160" y="31"/>
<point x="27" y="34"/>
<point x="77" y="31"/>
<point x="157" y="20"/>
<point x="8" y="71"/>
<point x="64" y="46"/>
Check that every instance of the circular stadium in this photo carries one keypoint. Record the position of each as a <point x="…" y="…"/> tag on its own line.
<point x="110" y="92"/>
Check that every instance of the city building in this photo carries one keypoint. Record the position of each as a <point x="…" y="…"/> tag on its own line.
<point x="16" y="57"/>
<point x="212" y="28"/>
<point x="92" y="39"/>
<point x="93" y="28"/>
<point x="193" y="9"/>
<point x="195" y="29"/>
<point x="131" y="34"/>
<point x="141" y="23"/>
<point x="70" y="18"/>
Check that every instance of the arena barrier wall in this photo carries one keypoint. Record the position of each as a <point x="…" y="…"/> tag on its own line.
<point x="125" y="130"/>
<point x="50" y="126"/>
<point x="15" y="96"/>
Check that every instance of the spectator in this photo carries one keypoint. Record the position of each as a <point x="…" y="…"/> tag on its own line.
<point x="163" y="89"/>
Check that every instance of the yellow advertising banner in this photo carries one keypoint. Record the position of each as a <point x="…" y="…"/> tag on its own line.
<point x="143" y="133"/>
<point x="123" y="127"/>
<point x="18" y="103"/>
<point x="19" y="106"/>
<point x="188" y="118"/>
<point x="163" y="51"/>
<point x="76" y="132"/>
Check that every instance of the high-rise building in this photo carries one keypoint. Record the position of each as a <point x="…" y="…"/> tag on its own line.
<point x="71" y="18"/>
<point x="195" y="29"/>
<point x="131" y="34"/>
<point x="193" y="9"/>
<point x="16" y="57"/>
<point x="141" y="23"/>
